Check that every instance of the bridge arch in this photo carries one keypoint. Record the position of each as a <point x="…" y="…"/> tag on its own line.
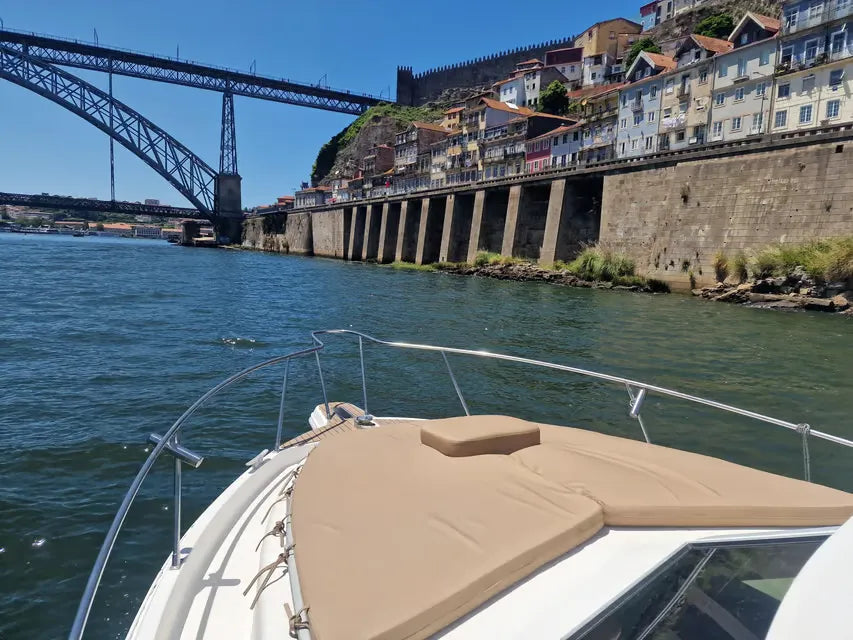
<point x="184" y="170"/>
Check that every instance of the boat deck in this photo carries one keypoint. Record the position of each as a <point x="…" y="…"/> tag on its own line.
<point x="337" y="425"/>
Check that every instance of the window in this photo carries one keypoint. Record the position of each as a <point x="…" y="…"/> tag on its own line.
<point x="679" y="137"/>
<point x="536" y="165"/>
<point x="764" y="57"/>
<point x="653" y="92"/>
<point x="650" y="116"/>
<point x="739" y="94"/>
<point x="736" y="123"/>
<point x="781" y="118"/>
<point x="741" y="67"/>
<point x="667" y="113"/>
<point x="622" y="149"/>
<point x="720" y="99"/>
<point x="717" y="128"/>
<point x="757" y="122"/>
<point x="805" y="114"/>
<point x="811" y="50"/>
<point x="833" y="108"/>
<point x="624" y="100"/>
<point x="815" y="10"/>
<point x="556" y="141"/>
<point x="837" y="42"/>
<point x="732" y="580"/>
<point x="624" y="124"/>
<point x="792" y="16"/>
<point x="783" y="91"/>
<point x="649" y="142"/>
<point x="638" y="118"/>
<point x="575" y="136"/>
<point x="633" y="145"/>
<point x="760" y="89"/>
<point x="744" y="38"/>
<point x="612" y="35"/>
<point x="835" y="78"/>
<point x="703" y="76"/>
<point x="668" y="86"/>
<point x="723" y="71"/>
<point x="787" y="56"/>
<point x="808" y="84"/>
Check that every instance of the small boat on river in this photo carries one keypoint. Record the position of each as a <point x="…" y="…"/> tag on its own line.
<point x="494" y="526"/>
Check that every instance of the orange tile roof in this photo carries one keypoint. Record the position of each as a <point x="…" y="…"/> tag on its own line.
<point x="117" y="226"/>
<point x="559" y="130"/>
<point x="531" y="61"/>
<point x="454" y="110"/>
<point x="428" y="126"/>
<point x="660" y="60"/>
<point x="504" y="106"/>
<point x="771" y="24"/>
<point x="505" y="80"/>
<point x="594" y="92"/>
<point x="712" y="44"/>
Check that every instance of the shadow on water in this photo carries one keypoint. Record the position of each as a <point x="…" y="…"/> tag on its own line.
<point x="105" y="341"/>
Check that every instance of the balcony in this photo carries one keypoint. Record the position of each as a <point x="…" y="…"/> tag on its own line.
<point x="830" y="11"/>
<point x="637" y="104"/>
<point x="682" y="92"/>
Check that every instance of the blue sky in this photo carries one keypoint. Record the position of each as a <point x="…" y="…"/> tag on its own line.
<point x="357" y="46"/>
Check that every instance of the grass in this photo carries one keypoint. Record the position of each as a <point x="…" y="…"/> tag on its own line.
<point x="601" y="264"/>
<point x="721" y="266"/>
<point x="829" y="260"/>
<point x="411" y="266"/>
<point x="739" y="267"/>
<point x="484" y="258"/>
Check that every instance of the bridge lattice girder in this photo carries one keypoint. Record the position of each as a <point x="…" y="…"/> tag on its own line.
<point x="139" y="65"/>
<point x="188" y="173"/>
<point x="105" y="206"/>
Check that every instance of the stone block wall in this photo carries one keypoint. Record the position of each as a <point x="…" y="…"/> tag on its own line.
<point x="673" y="220"/>
<point x="419" y="88"/>
<point x="279" y="233"/>
<point x="327" y="233"/>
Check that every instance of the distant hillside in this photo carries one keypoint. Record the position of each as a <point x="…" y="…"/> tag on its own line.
<point x="341" y="155"/>
<point x="667" y="34"/>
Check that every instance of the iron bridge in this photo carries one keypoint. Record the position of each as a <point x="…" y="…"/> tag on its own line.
<point x="81" y="55"/>
<point x="102" y="206"/>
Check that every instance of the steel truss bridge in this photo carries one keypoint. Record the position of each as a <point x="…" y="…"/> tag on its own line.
<point x="104" y="206"/>
<point x="32" y="61"/>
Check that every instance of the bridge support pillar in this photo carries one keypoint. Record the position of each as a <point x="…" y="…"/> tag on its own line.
<point x="356" y="236"/>
<point x="476" y="225"/>
<point x="228" y="221"/>
<point x="430" y="230"/>
<point x="388" y="231"/>
<point x="407" y="232"/>
<point x="458" y="214"/>
<point x="574" y="218"/>
<point x="372" y="224"/>
<point x="513" y="207"/>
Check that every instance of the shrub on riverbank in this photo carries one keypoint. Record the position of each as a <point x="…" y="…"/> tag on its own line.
<point x="600" y="264"/>
<point x="484" y="258"/>
<point x="411" y="266"/>
<point x="825" y="260"/>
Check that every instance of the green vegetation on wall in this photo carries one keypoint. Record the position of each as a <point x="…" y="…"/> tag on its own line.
<point x="643" y="44"/>
<point x="402" y="114"/>
<point x="554" y="99"/>
<point x="719" y="25"/>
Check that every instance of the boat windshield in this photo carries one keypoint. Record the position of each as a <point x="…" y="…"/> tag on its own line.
<point x="717" y="593"/>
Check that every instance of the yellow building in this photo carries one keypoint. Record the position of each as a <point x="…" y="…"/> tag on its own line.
<point x="613" y="37"/>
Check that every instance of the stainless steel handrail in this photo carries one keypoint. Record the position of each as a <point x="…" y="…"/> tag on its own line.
<point x="632" y="384"/>
<point x="97" y="572"/>
<point x="636" y="391"/>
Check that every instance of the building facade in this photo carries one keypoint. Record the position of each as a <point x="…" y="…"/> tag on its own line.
<point x="743" y="80"/>
<point x="813" y="79"/>
<point x="600" y="113"/>
<point x="311" y="197"/>
<point x="687" y="89"/>
<point x="613" y="37"/>
<point x="565" y="145"/>
<point x="640" y="105"/>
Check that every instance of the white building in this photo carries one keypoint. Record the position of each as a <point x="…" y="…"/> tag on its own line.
<point x="565" y="145"/>
<point x="743" y="80"/>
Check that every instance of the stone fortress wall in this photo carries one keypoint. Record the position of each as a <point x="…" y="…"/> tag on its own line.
<point x="419" y="88"/>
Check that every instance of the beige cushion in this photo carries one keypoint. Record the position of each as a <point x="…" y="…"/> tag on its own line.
<point x="639" y="484"/>
<point x="396" y="540"/>
<point x="479" y="435"/>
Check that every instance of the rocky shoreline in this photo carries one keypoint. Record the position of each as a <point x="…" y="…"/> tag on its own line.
<point x="796" y="291"/>
<point x="528" y="272"/>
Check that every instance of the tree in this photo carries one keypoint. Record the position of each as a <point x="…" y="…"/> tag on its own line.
<point x="554" y="100"/>
<point x="719" y="25"/>
<point x="643" y="44"/>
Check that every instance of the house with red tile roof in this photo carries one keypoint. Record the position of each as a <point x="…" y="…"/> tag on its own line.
<point x="639" y="105"/>
<point x="687" y="90"/>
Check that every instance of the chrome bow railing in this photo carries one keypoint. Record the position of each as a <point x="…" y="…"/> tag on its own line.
<point x="637" y="392"/>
